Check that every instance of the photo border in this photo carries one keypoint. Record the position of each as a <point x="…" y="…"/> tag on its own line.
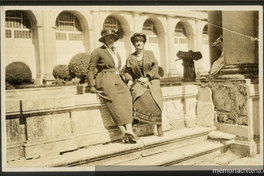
<point x="124" y="3"/>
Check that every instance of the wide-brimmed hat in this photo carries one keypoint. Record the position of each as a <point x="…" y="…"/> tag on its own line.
<point x="138" y="35"/>
<point x="106" y="32"/>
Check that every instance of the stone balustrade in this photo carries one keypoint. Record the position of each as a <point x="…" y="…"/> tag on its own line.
<point x="50" y="121"/>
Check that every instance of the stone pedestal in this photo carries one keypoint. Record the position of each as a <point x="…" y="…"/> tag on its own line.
<point x="188" y="64"/>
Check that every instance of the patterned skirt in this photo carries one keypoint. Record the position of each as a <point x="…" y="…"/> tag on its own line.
<point x="146" y="110"/>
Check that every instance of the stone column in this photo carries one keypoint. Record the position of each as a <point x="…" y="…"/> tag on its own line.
<point x="136" y="28"/>
<point x="90" y="33"/>
<point x="172" y="70"/>
<point x="96" y="29"/>
<point x="214" y="31"/>
<point x="239" y="44"/>
<point x="201" y="64"/>
<point x="234" y="95"/>
<point x="40" y="57"/>
<point x="49" y="45"/>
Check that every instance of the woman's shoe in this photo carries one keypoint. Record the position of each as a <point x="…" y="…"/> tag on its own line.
<point x="125" y="139"/>
<point x="130" y="138"/>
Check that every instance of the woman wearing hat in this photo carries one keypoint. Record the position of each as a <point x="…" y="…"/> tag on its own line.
<point x="142" y="75"/>
<point x="109" y="84"/>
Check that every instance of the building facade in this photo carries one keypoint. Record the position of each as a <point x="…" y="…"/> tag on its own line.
<point x="43" y="38"/>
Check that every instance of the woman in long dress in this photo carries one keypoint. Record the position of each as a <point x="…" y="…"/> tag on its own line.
<point x="109" y="84"/>
<point x="141" y="73"/>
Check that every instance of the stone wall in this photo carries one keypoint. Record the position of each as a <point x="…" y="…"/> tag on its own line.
<point x="49" y="121"/>
<point x="237" y="107"/>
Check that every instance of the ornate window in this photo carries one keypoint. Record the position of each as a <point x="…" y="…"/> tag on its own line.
<point x="68" y="27"/>
<point x="17" y="25"/>
<point x="180" y="34"/>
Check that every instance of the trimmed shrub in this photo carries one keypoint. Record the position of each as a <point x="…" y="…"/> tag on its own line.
<point x="78" y="66"/>
<point x="61" y="72"/>
<point x="18" y="73"/>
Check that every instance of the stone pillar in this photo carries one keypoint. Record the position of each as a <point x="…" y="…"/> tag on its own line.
<point x="136" y="28"/>
<point x="90" y="34"/>
<point x="239" y="25"/>
<point x="233" y="93"/>
<point x="205" y="107"/>
<point x="49" y="45"/>
<point x="172" y="70"/>
<point x="214" y="31"/>
<point x="201" y="66"/>
<point x="239" y="44"/>
<point x="40" y="57"/>
<point x="96" y="29"/>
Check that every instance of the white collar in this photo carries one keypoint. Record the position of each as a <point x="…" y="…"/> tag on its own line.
<point x="113" y="47"/>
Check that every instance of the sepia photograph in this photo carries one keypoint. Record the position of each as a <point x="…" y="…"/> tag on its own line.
<point x="101" y="88"/>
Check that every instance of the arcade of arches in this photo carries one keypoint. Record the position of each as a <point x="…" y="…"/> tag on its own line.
<point x="45" y="38"/>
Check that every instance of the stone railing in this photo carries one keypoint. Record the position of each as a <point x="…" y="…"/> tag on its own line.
<point x="54" y="120"/>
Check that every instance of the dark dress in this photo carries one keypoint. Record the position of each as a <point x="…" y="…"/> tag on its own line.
<point x="147" y="98"/>
<point x="118" y="97"/>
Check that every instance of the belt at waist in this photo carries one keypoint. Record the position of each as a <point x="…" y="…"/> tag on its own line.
<point x="110" y="70"/>
<point x="117" y="71"/>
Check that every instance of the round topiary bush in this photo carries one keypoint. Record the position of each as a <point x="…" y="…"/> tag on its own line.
<point x="61" y="72"/>
<point x="78" y="66"/>
<point x="18" y="73"/>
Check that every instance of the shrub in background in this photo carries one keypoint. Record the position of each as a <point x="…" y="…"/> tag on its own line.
<point x="61" y="72"/>
<point x="78" y="66"/>
<point x="18" y="73"/>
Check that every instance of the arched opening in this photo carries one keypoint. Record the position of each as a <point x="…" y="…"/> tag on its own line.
<point x="180" y="43"/>
<point x="69" y="37"/>
<point x="19" y="39"/>
<point x="153" y="41"/>
<point x="111" y="22"/>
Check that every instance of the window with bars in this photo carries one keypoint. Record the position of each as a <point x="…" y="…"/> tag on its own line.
<point x="112" y="23"/>
<point x="17" y="25"/>
<point x="180" y="30"/>
<point x="149" y="28"/>
<point x="68" y="27"/>
<point x="205" y="35"/>
<point x="8" y="34"/>
<point x="180" y="34"/>
<point x="205" y="29"/>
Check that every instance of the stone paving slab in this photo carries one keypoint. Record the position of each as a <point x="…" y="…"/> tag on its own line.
<point x="176" y="154"/>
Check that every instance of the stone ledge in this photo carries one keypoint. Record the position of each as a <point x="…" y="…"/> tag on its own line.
<point x="178" y="155"/>
<point x="98" y="153"/>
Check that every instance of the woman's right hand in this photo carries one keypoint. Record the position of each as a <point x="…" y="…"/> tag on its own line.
<point x="130" y="83"/>
<point x="93" y="90"/>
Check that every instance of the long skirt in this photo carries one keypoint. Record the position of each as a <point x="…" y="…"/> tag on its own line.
<point x="146" y="110"/>
<point x="119" y="100"/>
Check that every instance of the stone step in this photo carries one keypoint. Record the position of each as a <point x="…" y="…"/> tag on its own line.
<point x="116" y="152"/>
<point x="177" y="155"/>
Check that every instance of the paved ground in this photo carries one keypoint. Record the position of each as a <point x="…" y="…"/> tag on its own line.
<point x="223" y="159"/>
<point x="247" y="161"/>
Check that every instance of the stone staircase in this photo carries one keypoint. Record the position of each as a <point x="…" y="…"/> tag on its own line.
<point x="174" y="147"/>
